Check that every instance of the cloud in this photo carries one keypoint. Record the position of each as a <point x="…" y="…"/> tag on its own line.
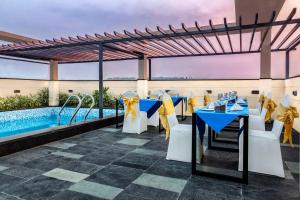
<point x="54" y="18"/>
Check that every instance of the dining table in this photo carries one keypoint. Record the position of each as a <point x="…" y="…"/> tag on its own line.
<point x="215" y="121"/>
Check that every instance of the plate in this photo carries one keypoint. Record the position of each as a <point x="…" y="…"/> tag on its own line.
<point x="208" y="109"/>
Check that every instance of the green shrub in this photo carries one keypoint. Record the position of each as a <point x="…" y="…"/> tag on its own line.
<point x="41" y="99"/>
<point x="108" y="99"/>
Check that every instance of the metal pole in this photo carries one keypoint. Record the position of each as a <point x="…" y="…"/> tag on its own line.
<point x="100" y="59"/>
<point x="287" y="64"/>
<point x="150" y="69"/>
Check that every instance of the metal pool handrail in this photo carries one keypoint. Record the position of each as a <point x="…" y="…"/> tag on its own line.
<point x="92" y="105"/>
<point x="75" y="112"/>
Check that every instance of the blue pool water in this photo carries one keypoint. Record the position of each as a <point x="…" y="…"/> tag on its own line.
<point x="22" y="121"/>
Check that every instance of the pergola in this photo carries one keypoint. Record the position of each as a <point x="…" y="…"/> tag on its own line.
<point x="161" y="43"/>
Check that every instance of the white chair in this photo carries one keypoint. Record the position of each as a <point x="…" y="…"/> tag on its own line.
<point x="180" y="140"/>
<point x="264" y="155"/>
<point x="257" y="110"/>
<point x="257" y="122"/>
<point x="137" y="124"/>
<point x="154" y="119"/>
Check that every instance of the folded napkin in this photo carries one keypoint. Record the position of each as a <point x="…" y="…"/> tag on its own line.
<point x="240" y="100"/>
<point x="236" y="107"/>
<point x="210" y="105"/>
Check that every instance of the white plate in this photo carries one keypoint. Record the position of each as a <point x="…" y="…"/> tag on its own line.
<point x="208" y="109"/>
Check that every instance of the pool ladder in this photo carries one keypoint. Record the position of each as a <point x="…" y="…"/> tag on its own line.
<point x="77" y="107"/>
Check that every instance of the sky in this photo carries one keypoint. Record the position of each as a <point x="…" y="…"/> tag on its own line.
<point x="49" y="19"/>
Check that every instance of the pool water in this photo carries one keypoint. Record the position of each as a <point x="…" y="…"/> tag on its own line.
<point x="23" y="121"/>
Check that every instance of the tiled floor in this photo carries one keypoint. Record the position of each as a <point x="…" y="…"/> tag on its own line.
<point x="107" y="164"/>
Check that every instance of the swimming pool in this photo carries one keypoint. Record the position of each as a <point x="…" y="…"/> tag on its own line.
<point x="23" y="121"/>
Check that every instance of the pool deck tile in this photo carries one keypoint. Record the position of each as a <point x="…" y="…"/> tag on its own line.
<point x="60" y="145"/>
<point x="96" y="189"/>
<point x="66" y="175"/>
<point x="161" y="182"/>
<point x="67" y="155"/>
<point x="133" y="141"/>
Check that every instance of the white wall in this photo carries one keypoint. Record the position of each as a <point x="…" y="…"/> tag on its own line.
<point x="7" y="86"/>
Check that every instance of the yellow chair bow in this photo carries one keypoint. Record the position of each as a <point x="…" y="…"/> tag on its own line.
<point x="191" y="104"/>
<point x="129" y="104"/>
<point x="166" y="109"/>
<point x="287" y="116"/>
<point x="270" y="105"/>
<point x="262" y="99"/>
<point x="207" y="100"/>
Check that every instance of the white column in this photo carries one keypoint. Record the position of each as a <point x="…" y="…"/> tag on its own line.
<point x="142" y="82"/>
<point x="53" y="84"/>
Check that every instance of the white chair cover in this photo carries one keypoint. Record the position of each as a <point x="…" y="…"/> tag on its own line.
<point x="137" y="125"/>
<point x="257" y="110"/>
<point x="257" y="122"/>
<point x="264" y="149"/>
<point x="154" y="119"/>
<point x="180" y="140"/>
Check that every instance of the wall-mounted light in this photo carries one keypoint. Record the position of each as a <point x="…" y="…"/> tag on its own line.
<point x="17" y="91"/>
<point x="255" y="92"/>
<point x="208" y="91"/>
<point x="70" y="91"/>
<point x="295" y="93"/>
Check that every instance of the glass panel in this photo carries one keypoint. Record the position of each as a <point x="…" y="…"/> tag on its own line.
<point x="278" y="65"/>
<point x="114" y="70"/>
<point x="24" y="70"/>
<point x="238" y="66"/>
<point x="295" y="62"/>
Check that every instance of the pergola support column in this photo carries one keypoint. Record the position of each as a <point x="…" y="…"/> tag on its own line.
<point x="100" y="80"/>
<point x="287" y="64"/>
<point x="142" y="82"/>
<point x="53" y="84"/>
<point x="265" y="57"/>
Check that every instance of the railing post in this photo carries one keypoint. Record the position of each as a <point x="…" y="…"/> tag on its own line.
<point x="100" y="80"/>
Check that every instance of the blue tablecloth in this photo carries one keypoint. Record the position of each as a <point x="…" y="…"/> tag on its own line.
<point x="147" y="105"/>
<point x="217" y="120"/>
<point x="176" y="100"/>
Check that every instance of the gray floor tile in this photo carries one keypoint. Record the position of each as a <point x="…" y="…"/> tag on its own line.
<point x="22" y="172"/>
<point x="47" y="163"/>
<point x="161" y="182"/>
<point x="39" y="188"/>
<point x="170" y="168"/>
<point x="2" y="168"/>
<point x="149" y="193"/>
<point x="96" y="189"/>
<point x="149" y="152"/>
<point x="112" y="130"/>
<point x="60" y="145"/>
<point x="81" y="167"/>
<point x="7" y="197"/>
<point x="7" y="181"/>
<point x="136" y="160"/>
<point x="116" y="176"/>
<point x="66" y="175"/>
<point x="71" y="195"/>
<point x="293" y="167"/>
<point x="133" y="141"/>
<point x="67" y="155"/>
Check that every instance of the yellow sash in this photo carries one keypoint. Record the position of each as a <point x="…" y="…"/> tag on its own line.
<point x="191" y="104"/>
<point x="153" y="97"/>
<point x="130" y="105"/>
<point x="270" y="105"/>
<point x="166" y="109"/>
<point x="287" y="116"/>
<point x="262" y="99"/>
<point x="207" y="100"/>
